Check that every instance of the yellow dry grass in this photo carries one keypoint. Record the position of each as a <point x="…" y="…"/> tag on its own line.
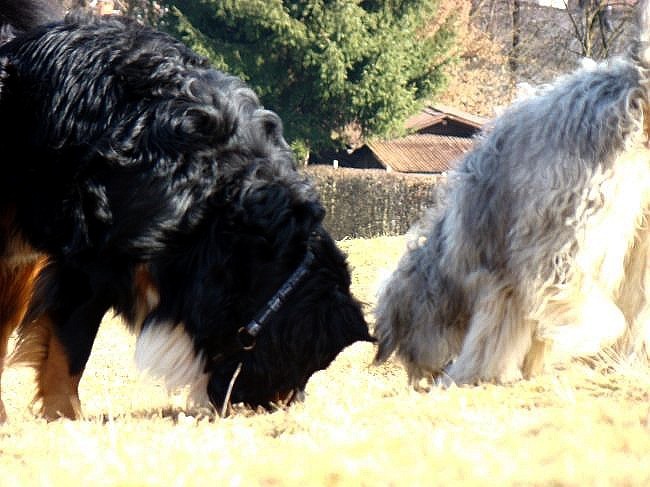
<point x="359" y="425"/>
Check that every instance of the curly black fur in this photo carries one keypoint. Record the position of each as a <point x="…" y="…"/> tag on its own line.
<point x="123" y="148"/>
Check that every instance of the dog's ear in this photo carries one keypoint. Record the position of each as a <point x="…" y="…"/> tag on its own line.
<point x="279" y="214"/>
<point x="191" y="104"/>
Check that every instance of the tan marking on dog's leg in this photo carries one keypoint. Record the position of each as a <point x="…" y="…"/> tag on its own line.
<point x="16" y="286"/>
<point x="6" y="328"/>
<point x="57" y="388"/>
<point x="146" y="296"/>
<point x="5" y="331"/>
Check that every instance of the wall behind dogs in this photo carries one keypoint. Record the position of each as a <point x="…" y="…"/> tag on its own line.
<point x="365" y="203"/>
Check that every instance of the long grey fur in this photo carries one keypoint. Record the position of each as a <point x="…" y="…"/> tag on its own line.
<point x="541" y="240"/>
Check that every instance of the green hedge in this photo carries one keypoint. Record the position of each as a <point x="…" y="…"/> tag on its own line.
<point x="365" y="203"/>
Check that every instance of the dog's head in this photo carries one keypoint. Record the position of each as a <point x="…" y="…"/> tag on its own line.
<point x="260" y="288"/>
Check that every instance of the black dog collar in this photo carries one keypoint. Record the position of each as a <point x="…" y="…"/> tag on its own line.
<point x="247" y="335"/>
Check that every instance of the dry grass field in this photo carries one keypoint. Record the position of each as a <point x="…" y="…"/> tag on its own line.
<point x="359" y="425"/>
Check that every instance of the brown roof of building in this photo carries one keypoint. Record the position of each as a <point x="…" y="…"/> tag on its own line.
<point x="421" y="153"/>
<point x="432" y="115"/>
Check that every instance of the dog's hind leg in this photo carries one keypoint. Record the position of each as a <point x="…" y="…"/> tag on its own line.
<point x="592" y="322"/>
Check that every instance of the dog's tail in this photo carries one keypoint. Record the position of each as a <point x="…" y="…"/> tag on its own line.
<point x="18" y="16"/>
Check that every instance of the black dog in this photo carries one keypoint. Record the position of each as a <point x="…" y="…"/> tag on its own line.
<point x="159" y="187"/>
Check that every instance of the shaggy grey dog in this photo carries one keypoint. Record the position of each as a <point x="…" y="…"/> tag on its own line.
<point x="541" y="241"/>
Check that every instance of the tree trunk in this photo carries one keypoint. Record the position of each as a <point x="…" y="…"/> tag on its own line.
<point x="516" y="36"/>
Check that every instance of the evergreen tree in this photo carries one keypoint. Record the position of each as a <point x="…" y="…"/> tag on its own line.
<point x="326" y="66"/>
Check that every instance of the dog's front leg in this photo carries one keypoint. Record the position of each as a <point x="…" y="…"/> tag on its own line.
<point x="498" y="340"/>
<point x="57" y="386"/>
<point x="68" y="351"/>
<point x="59" y="360"/>
<point x="57" y="342"/>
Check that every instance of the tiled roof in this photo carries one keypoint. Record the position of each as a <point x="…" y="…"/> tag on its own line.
<point x="421" y="153"/>
<point x="432" y="115"/>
